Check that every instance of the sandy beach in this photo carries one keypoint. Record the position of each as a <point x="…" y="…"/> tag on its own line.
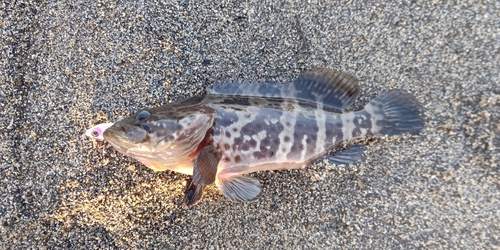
<point x="66" y="66"/>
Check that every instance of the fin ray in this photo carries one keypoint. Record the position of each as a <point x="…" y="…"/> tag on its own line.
<point x="400" y="111"/>
<point x="205" y="166"/>
<point x="346" y="156"/>
<point x="239" y="188"/>
<point x="332" y="88"/>
<point x="192" y="192"/>
<point x="204" y="172"/>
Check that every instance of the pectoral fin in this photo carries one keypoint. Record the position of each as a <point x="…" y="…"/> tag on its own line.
<point x="347" y="156"/>
<point x="239" y="188"/>
<point x="204" y="172"/>
<point x="192" y="192"/>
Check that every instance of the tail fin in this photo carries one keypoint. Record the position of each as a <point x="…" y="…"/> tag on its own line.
<point x="399" y="113"/>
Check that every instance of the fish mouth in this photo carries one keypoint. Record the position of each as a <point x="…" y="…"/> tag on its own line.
<point x="125" y="137"/>
<point x="136" y="140"/>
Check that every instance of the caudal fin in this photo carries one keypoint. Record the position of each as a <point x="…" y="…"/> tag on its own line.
<point x="399" y="112"/>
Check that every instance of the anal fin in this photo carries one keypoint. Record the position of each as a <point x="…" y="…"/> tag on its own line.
<point x="347" y="156"/>
<point x="239" y="187"/>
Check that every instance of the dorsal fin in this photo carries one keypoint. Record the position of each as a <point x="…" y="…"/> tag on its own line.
<point x="333" y="88"/>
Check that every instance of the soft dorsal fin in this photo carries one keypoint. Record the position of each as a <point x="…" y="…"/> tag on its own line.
<point x="330" y="87"/>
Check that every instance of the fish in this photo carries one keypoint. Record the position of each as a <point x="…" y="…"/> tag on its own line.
<point x="240" y="127"/>
<point x="97" y="132"/>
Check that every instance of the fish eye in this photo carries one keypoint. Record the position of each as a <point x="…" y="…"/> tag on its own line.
<point x="95" y="133"/>
<point x="143" y="115"/>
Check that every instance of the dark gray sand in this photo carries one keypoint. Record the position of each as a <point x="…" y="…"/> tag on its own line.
<point x="66" y="67"/>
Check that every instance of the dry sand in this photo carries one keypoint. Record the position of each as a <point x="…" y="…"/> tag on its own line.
<point x="68" y="66"/>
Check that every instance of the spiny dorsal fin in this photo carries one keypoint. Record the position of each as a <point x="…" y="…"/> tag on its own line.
<point x="333" y="88"/>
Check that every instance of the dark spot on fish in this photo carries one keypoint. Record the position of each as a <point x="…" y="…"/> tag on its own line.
<point x="311" y="147"/>
<point x="228" y="135"/>
<point x="329" y="133"/>
<point x="273" y="130"/>
<point x="334" y="132"/>
<point x="276" y="141"/>
<point x="265" y="142"/>
<point x="226" y="118"/>
<point x="237" y="159"/>
<point x="252" y="143"/>
<point x="170" y="138"/>
<point x="356" y="132"/>
<point x="237" y="142"/>
<point x="297" y="146"/>
<point x="226" y="159"/>
<point x="347" y="121"/>
<point x="245" y="130"/>
<point x="259" y="155"/>
<point x="244" y="147"/>
<point x="286" y="138"/>
<point x="314" y="137"/>
<point x="288" y="124"/>
<point x="235" y="129"/>
<point x="283" y="150"/>
<point x="270" y="153"/>
<point x="226" y="146"/>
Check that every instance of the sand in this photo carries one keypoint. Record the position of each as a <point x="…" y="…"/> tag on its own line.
<point x="68" y="66"/>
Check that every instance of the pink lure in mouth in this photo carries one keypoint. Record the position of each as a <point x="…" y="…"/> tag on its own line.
<point x="97" y="132"/>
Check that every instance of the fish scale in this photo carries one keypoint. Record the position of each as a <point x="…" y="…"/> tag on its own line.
<point x="243" y="127"/>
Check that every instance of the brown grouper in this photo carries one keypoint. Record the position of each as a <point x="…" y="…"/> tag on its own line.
<point x="242" y="127"/>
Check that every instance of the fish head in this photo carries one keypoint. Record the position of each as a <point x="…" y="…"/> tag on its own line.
<point x="163" y="136"/>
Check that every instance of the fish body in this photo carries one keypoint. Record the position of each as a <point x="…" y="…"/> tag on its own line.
<point x="243" y="127"/>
